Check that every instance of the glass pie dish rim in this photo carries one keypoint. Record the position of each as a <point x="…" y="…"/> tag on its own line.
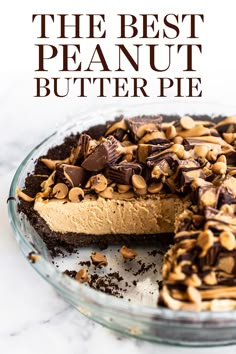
<point x="86" y="299"/>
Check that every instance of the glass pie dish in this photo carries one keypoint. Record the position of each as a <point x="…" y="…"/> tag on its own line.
<point x="133" y="312"/>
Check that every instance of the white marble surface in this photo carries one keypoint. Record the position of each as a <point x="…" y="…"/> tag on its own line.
<point x="33" y="318"/>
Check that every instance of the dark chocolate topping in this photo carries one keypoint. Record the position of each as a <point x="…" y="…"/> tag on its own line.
<point x="146" y="150"/>
<point x="105" y="153"/>
<point x="231" y="158"/>
<point x="73" y="176"/>
<point x="83" y="142"/>
<point x="227" y="126"/>
<point x="123" y="172"/>
<point x="136" y="124"/>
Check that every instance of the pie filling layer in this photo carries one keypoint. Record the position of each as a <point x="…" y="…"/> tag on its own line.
<point x="149" y="215"/>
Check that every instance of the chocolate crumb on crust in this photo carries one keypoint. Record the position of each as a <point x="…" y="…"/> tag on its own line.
<point x="70" y="273"/>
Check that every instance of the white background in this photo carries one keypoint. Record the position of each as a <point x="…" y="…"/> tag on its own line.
<point x="33" y="318"/>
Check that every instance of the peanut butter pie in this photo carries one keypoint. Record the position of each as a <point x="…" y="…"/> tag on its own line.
<point x="141" y="179"/>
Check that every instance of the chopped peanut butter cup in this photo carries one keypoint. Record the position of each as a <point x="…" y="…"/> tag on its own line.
<point x="105" y="153"/>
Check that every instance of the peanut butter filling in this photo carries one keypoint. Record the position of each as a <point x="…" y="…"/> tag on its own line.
<point x="112" y="216"/>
